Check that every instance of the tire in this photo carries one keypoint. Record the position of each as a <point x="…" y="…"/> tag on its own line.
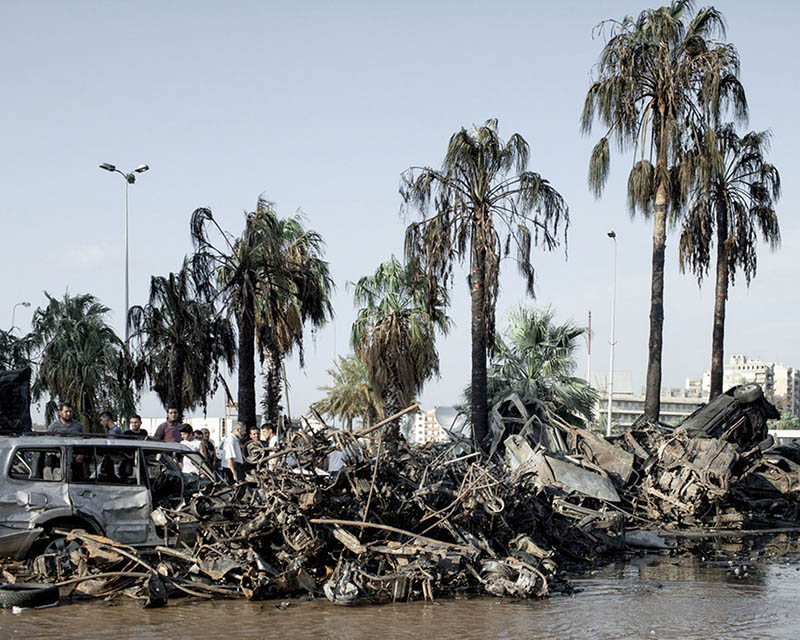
<point x="748" y="393"/>
<point x="27" y="594"/>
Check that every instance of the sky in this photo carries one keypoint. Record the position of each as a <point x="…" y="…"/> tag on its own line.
<point x="320" y="106"/>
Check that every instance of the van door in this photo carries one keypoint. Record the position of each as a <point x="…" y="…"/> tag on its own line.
<point x="107" y="484"/>
<point x="35" y="487"/>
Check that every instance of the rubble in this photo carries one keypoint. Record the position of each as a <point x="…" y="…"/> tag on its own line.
<point x="399" y="523"/>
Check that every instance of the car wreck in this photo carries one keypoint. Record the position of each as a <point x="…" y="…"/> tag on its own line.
<point x="108" y="487"/>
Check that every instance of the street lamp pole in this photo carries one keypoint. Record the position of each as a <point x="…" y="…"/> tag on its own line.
<point x="613" y="236"/>
<point x="14" y="312"/>
<point x="130" y="178"/>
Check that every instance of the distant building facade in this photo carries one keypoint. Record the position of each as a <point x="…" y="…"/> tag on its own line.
<point x="427" y="429"/>
<point x="676" y="404"/>
<point x="781" y="384"/>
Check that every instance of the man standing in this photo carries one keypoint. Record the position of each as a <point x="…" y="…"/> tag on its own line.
<point x="195" y="444"/>
<point x="135" y="430"/>
<point x="66" y="425"/>
<point x="107" y="422"/>
<point x="232" y="454"/>
<point x="211" y="449"/>
<point x="268" y="436"/>
<point x="170" y="429"/>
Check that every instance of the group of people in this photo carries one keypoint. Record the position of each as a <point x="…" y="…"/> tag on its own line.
<point x="238" y="441"/>
<point x="229" y="459"/>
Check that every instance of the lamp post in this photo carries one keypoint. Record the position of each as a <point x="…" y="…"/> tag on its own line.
<point x="14" y="312"/>
<point x="613" y="236"/>
<point x="130" y="178"/>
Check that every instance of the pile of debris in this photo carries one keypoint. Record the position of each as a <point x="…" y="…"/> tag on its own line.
<point x="718" y="470"/>
<point x="397" y="523"/>
<point x="392" y="524"/>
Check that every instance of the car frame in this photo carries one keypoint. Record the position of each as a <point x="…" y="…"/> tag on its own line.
<point x="105" y="486"/>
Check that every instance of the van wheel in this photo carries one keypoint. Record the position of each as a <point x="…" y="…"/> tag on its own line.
<point x="27" y="594"/>
<point x="748" y="393"/>
<point x="54" y="543"/>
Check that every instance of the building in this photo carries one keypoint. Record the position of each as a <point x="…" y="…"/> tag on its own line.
<point x="676" y="404"/>
<point x="786" y="395"/>
<point x="781" y="384"/>
<point x="743" y="370"/>
<point x="427" y="429"/>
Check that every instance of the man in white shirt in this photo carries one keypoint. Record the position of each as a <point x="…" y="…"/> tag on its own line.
<point x="232" y="454"/>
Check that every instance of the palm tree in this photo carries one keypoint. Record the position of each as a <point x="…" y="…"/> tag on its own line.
<point x="482" y="190"/>
<point x="290" y="297"/>
<point x="249" y="272"/>
<point x="733" y="200"/>
<point x="536" y="361"/>
<point x="81" y="359"/>
<point x="350" y="396"/>
<point x="15" y="353"/>
<point x="179" y="341"/>
<point x="660" y="75"/>
<point x="394" y="333"/>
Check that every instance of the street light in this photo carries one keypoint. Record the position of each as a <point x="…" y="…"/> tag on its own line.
<point x="14" y="311"/>
<point x="613" y="236"/>
<point x="130" y="178"/>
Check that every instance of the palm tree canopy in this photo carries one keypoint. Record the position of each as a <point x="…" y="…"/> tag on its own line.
<point x="15" y="353"/>
<point x="536" y="361"/>
<point x="660" y="75"/>
<point x="737" y="188"/>
<point x="81" y="358"/>
<point x="180" y="340"/>
<point x="350" y="396"/>
<point x="271" y="278"/>
<point x="394" y="331"/>
<point x="483" y="198"/>
<point x="295" y="290"/>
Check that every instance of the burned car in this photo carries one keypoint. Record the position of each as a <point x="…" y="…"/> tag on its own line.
<point x="104" y="486"/>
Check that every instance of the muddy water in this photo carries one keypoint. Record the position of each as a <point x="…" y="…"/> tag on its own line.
<point x="645" y="598"/>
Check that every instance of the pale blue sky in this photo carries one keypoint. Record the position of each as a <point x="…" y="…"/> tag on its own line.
<point x="321" y="106"/>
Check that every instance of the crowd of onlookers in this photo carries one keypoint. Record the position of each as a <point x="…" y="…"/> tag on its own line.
<point x="228" y="457"/>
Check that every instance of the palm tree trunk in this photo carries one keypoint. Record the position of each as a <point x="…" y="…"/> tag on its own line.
<point x="652" y="402"/>
<point x="720" y="301"/>
<point x="272" y="385"/>
<point x="392" y="404"/>
<point x="246" y="396"/>
<point x="176" y="383"/>
<point x="479" y="410"/>
<point x="652" y="398"/>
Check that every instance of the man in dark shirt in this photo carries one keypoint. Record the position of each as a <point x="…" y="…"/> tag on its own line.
<point x="170" y="429"/>
<point x="66" y="425"/>
<point x="107" y="422"/>
<point x="136" y="430"/>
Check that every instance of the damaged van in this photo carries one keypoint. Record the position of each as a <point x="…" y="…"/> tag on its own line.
<point x="104" y="486"/>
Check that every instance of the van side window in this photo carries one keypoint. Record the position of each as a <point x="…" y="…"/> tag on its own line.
<point x="105" y="465"/>
<point x="37" y="464"/>
<point x="165" y="478"/>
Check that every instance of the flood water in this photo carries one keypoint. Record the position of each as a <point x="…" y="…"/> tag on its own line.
<point x="649" y="597"/>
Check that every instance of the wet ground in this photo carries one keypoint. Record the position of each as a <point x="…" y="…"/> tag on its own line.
<point x="649" y="597"/>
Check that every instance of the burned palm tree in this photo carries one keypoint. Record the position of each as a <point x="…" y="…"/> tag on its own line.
<point x="180" y="341"/>
<point x="482" y="205"/>
<point x="394" y="334"/>
<point x="660" y="79"/>
<point x="733" y="200"/>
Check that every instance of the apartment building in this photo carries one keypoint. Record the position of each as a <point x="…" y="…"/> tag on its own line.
<point x="427" y="428"/>
<point x="676" y="404"/>
<point x="781" y="384"/>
